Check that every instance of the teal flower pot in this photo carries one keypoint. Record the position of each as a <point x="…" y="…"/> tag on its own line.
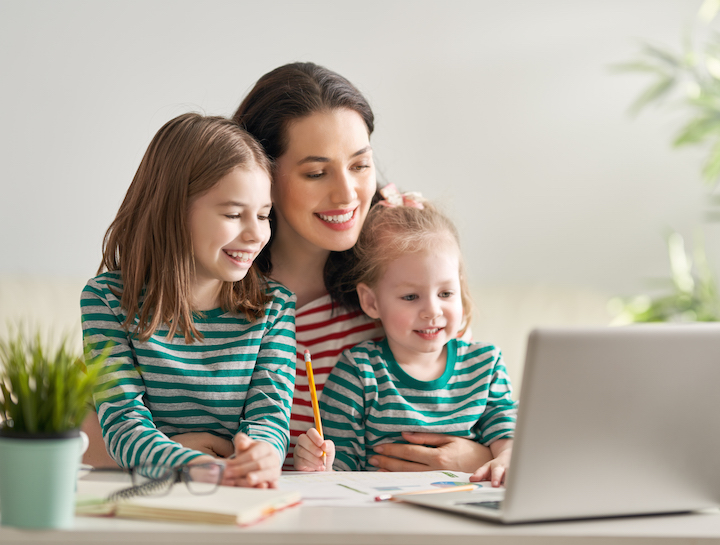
<point x="38" y="475"/>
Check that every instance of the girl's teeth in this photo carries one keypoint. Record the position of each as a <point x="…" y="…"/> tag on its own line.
<point x="240" y="256"/>
<point x="429" y="331"/>
<point x="336" y="219"/>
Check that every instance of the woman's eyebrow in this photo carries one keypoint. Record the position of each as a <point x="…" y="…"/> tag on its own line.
<point x="313" y="159"/>
<point x="361" y="151"/>
<point x="320" y="159"/>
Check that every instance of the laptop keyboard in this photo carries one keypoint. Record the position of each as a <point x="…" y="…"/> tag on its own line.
<point x="486" y="504"/>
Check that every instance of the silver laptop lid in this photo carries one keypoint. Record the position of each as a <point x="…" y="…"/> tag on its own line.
<point x="617" y="421"/>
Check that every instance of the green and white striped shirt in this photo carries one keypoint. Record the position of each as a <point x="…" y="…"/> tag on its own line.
<point x="238" y="378"/>
<point x="368" y="400"/>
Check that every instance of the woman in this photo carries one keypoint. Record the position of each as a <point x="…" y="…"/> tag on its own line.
<point x="316" y="126"/>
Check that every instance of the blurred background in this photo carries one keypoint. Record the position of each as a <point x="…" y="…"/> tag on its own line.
<point x="506" y="113"/>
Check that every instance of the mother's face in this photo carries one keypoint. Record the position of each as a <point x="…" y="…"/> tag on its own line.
<point x="325" y="181"/>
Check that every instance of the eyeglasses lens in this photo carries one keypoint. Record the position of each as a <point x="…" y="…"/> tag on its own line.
<point x="203" y="478"/>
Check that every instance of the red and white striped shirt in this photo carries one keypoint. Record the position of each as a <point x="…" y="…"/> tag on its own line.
<point x="325" y="332"/>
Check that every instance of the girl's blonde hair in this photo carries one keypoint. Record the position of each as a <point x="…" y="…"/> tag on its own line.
<point x="149" y="240"/>
<point x="392" y="231"/>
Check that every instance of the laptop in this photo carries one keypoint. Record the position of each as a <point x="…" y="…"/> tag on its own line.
<point x="612" y="422"/>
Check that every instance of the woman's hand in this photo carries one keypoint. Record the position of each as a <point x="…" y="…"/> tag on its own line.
<point x="308" y="453"/>
<point x="431" y="451"/>
<point x="255" y="464"/>
<point x="206" y="443"/>
<point x="496" y="469"/>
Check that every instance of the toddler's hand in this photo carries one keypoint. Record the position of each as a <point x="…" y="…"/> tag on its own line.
<point x="308" y="455"/>
<point x="255" y="464"/>
<point x="494" y="470"/>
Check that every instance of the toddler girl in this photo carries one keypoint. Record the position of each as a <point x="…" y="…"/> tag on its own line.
<point x="201" y="342"/>
<point x="421" y="377"/>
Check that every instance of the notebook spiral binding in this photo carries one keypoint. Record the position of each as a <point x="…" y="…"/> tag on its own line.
<point x="145" y="489"/>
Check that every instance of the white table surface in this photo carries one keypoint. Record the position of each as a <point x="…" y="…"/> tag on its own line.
<point x="391" y="524"/>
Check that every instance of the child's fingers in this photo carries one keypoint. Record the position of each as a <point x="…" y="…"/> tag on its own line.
<point x="305" y="461"/>
<point x="309" y="457"/>
<point x="315" y="437"/>
<point x="311" y="445"/>
<point x="255" y="466"/>
<point x="482" y="473"/>
<point x="329" y="450"/>
<point x="255" y="463"/>
<point x="242" y="443"/>
<point x="497" y="475"/>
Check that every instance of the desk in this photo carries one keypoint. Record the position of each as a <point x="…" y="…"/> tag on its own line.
<point x="391" y="524"/>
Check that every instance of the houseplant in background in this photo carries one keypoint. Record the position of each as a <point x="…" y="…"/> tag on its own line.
<point x="44" y="397"/>
<point x="691" y="81"/>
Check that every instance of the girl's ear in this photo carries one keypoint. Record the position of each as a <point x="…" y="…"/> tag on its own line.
<point x="368" y="301"/>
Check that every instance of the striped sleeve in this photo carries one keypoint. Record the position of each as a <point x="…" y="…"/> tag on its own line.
<point x="267" y="410"/>
<point x="498" y="419"/>
<point x="131" y="437"/>
<point x="342" y="407"/>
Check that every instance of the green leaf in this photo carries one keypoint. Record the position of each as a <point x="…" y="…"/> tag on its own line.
<point x="711" y="169"/>
<point x="653" y="93"/>
<point x="42" y="390"/>
<point x="697" y="130"/>
<point x="639" y="66"/>
<point x="665" y="57"/>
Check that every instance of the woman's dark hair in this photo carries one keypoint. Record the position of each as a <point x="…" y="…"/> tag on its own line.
<point x="288" y="93"/>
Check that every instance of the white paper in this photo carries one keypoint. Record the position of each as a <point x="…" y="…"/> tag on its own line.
<point x="360" y="488"/>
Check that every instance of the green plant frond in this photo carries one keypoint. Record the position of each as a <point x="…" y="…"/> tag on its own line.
<point x="639" y="66"/>
<point x="711" y="168"/>
<point x="654" y="93"/>
<point x="665" y="57"/>
<point x="707" y="102"/>
<point x="44" y="391"/>
<point x="680" y="264"/>
<point x="697" y="130"/>
<point x="694" y="295"/>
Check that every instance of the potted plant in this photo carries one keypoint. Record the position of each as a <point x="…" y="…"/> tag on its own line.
<point x="44" y="395"/>
<point x="690" y="80"/>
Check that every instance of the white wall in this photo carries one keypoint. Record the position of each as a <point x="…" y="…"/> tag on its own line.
<point x="505" y="111"/>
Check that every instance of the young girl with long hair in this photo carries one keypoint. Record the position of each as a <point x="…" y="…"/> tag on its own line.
<point x="421" y="377"/>
<point x="202" y="344"/>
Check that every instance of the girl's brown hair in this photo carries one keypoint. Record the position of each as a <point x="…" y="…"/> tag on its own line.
<point x="286" y="94"/>
<point x="390" y="232"/>
<point x="149" y="240"/>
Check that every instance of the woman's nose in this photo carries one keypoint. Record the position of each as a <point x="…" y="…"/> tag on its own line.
<point x="344" y="188"/>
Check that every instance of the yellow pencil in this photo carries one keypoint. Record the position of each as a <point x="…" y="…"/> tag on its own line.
<point x="313" y="396"/>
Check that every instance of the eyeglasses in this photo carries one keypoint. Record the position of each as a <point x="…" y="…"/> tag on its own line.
<point x="157" y="480"/>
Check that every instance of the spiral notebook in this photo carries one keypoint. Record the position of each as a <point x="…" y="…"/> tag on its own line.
<point x="227" y="505"/>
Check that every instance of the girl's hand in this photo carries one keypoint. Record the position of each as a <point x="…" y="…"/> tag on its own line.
<point x="308" y="454"/>
<point x="496" y="469"/>
<point x="255" y="464"/>
<point x="431" y="451"/>
<point x="206" y="443"/>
